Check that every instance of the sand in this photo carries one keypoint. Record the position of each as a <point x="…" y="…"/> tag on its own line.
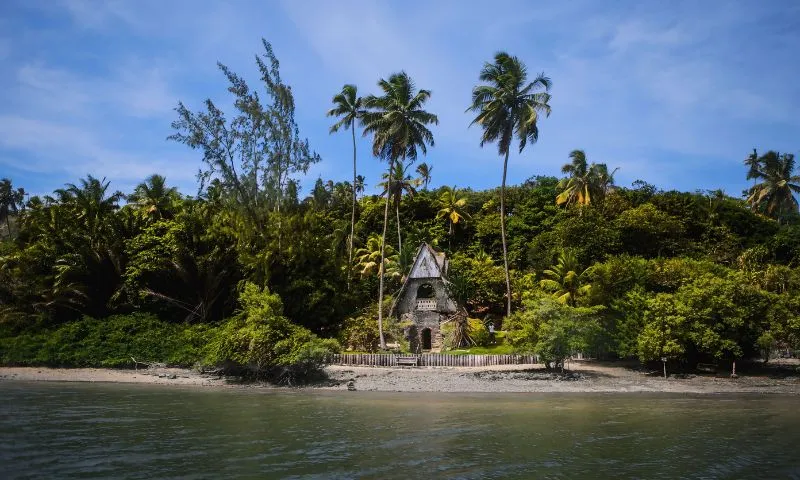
<point x="583" y="376"/>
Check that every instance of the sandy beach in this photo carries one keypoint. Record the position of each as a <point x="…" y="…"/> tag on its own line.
<point x="581" y="377"/>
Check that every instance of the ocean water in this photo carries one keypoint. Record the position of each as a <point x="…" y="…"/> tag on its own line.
<point x="59" y="430"/>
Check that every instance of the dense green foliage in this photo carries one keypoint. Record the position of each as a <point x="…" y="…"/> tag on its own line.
<point x="250" y="275"/>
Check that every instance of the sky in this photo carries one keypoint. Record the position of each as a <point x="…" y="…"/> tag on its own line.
<point x="673" y="93"/>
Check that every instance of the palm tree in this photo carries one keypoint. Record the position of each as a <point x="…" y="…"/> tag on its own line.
<point x="10" y="201"/>
<point x="400" y="183"/>
<point x="348" y="106"/>
<point x="360" y="184"/>
<point x="577" y="188"/>
<point x="775" y="194"/>
<point x="563" y="281"/>
<point x="153" y="197"/>
<point x="752" y="163"/>
<point x="399" y="127"/>
<point x="424" y="170"/>
<point x="603" y="179"/>
<point x="586" y="184"/>
<point x="369" y="259"/>
<point x="508" y="106"/>
<point x="452" y="206"/>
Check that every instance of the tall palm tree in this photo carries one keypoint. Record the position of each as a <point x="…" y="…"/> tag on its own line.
<point x="349" y="107"/>
<point x="452" y="206"/>
<point x="563" y="281"/>
<point x="399" y="184"/>
<point x="774" y="195"/>
<point x="752" y="163"/>
<point x="399" y="128"/>
<point x="509" y="106"/>
<point x="153" y="197"/>
<point x="424" y="171"/>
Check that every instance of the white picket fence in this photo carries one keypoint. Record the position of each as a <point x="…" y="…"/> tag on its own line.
<point x="430" y="359"/>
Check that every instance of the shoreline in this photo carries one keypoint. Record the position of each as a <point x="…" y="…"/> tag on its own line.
<point x="582" y="377"/>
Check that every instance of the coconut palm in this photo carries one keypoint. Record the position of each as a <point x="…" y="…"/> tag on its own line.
<point x="509" y="106"/>
<point x="153" y="197"/>
<point x="424" y="171"/>
<point x="774" y="195"/>
<point x="400" y="183"/>
<point x="399" y="128"/>
<point x="585" y="184"/>
<point x="10" y="201"/>
<point x="360" y="184"/>
<point x="563" y="281"/>
<point x="369" y="258"/>
<point x="452" y="206"/>
<point x="752" y="163"/>
<point x="348" y="106"/>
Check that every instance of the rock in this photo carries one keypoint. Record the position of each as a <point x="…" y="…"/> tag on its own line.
<point x="351" y="385"/>
<point x="172" y="377"/>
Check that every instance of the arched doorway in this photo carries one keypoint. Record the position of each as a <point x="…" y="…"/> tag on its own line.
<point x="426" y="338"/>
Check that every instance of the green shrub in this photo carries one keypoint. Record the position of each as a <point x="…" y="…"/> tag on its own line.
<point x="109" y="342"/>
<point x="260" y="341"/>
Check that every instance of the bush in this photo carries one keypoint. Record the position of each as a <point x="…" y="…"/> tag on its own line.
<point x="260" y="341"/>
<point x="109" y="342"/>
<point x="476" y="332"/>
<point x="552" y="330"/>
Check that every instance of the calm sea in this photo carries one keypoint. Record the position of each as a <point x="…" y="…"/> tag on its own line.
<point x="51" y="430"/>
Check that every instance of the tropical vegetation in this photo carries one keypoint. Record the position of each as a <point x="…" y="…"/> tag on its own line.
<point x="248" y="275"/>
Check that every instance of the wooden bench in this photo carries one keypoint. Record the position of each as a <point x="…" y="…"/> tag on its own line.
<point x="407" y="361"/>
<point x="707" y="367"/>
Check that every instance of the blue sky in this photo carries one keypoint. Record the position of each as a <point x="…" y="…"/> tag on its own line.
<point x="675" y="93"/>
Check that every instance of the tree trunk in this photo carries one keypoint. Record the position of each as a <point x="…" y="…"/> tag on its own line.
<point x="353" y="215"/>
<point x="381" y="266"/>
<point x="399" y="239"/>
<point x="503" y="234"/>
<point x="665" y="368"/>
<point x="8" y="225"/>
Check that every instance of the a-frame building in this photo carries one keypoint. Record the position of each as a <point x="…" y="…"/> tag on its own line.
<point x="424" y="301"/>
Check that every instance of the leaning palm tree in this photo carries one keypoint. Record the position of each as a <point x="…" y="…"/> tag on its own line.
<point x="399" y="128"/>
<point x="424" y="170"/>
<point x="509" y="106"/>
<point x="398" y="185"/>
<point x="774" y="195"/>
<point x="153" y="197"/>
<point x="563" y="281"/>
<point x="349" y="107"/>
<point x="453" y="207"/>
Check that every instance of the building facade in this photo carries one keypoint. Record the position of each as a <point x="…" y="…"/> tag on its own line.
<point x="424" y="301"/>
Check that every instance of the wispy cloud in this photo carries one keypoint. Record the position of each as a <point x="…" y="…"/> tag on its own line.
<point x="675" y="94"/>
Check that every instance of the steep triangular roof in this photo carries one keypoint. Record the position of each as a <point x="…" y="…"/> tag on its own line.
<point x="429" y="263"/>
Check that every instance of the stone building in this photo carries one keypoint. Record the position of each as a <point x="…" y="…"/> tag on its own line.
<point x="424" y="301"/>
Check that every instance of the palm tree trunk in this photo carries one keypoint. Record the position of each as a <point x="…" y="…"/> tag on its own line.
<point x="353" y="215"/>
<point x="399" y="239"/>
<point x="503" y="234"/>
<point x="381" y="266"/>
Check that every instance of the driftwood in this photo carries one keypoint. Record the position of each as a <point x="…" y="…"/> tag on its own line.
<point x="136" y="364"/>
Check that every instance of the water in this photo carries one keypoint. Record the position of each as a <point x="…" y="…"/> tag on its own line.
<point x="151" y="432"/>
